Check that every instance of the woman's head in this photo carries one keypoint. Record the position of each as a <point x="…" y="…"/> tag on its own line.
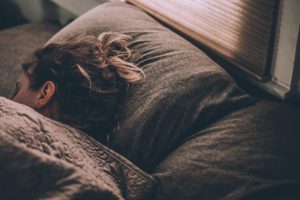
<point x="80" y="82"/>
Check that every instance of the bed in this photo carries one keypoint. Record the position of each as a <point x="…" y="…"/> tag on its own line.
<point x="189" y="131"/>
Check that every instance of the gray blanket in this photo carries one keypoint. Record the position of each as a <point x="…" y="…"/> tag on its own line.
<point x="44" y="159"/>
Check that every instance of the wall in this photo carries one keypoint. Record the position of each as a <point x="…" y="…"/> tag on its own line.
<point x="285" y="51"/>
<point x="32" y="11"/>
<point x="78" y="7"/>
<point x="41" y="10"/>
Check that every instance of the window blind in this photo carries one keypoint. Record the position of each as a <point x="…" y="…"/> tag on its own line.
<point x="241" y="31"/>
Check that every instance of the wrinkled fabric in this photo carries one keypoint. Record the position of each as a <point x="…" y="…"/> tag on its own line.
<point x="252" y="153"/>
<point x="44" y="159"/>
<point x="184" y="89"/>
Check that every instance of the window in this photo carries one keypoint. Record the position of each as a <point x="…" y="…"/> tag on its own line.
<point x="240" y="31"/>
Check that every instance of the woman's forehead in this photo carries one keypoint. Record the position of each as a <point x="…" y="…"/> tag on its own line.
<point x="27" y="67"/>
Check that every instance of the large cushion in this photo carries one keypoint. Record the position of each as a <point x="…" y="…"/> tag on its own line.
<point x="43" y="159"/>
<point x="16" y="44"/>
<point x="184" y="89"/>
<point x="252" y="153"/>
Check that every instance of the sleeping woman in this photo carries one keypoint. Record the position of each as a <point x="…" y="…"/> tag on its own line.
<point x="81" y="82"/>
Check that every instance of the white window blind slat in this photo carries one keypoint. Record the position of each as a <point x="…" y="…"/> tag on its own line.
<point x="239" y="30"/>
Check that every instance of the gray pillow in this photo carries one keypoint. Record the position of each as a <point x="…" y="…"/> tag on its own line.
<point x="184" y="90"/>
<point x="252" y="153"/>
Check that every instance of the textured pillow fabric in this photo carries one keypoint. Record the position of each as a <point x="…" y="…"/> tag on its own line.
<point x="184" y="89"/>
<point x="252" y="153"/>
<point x="43" y="159"/>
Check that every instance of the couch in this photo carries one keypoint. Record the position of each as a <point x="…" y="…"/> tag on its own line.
<point x="188" y="132"/>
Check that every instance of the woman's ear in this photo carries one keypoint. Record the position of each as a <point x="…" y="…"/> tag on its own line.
<point x="45" y="94"/>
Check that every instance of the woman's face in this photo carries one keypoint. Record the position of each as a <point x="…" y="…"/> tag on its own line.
<point x="23" y="94"/>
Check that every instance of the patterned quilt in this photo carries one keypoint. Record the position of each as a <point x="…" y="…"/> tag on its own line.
<point x="43" y="159"/>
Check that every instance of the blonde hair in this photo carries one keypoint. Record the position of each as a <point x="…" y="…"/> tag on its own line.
<point x="114" y="47"/>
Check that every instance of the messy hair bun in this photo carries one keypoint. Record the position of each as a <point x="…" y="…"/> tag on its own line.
<point x="114" y="52"/>
<point x="91" y="75"/>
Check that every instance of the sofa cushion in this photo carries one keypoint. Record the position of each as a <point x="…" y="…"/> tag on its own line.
<point x="44" y="159"/>
<point x="252" y="153"/>
<point x="184" y="89"/>
<point x="16" y="45"/>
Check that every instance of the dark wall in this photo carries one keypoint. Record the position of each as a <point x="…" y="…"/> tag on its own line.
<point x="10" y="14"/>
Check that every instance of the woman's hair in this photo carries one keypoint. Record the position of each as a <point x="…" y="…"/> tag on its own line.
<point x="91" y="75"/>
